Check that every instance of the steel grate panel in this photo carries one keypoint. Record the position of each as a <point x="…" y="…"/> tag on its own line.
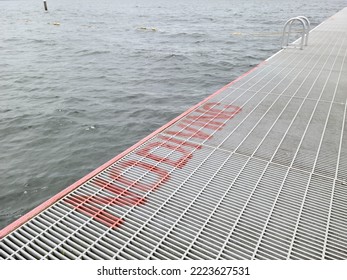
<point x="258" y="171"/>
<point x="336" y="237"/>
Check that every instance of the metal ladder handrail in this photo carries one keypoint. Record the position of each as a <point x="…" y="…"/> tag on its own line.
<point x="308" y="28"/>
<point x="305" y="31"/>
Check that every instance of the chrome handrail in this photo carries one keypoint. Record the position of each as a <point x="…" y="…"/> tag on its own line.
<point x="308" y="28"/>
<point x="304" y="33"/>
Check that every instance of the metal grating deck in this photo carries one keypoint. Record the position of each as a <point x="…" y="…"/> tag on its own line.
<point x="256" y="171"/>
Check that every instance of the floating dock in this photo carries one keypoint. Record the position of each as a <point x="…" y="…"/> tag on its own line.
<point x="258" y="170"/>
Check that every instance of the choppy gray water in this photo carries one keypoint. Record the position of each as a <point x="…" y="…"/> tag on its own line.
<point x="83" y="82"/>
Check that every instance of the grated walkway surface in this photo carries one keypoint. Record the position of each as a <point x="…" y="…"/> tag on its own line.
<point x="256" y="171"/>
